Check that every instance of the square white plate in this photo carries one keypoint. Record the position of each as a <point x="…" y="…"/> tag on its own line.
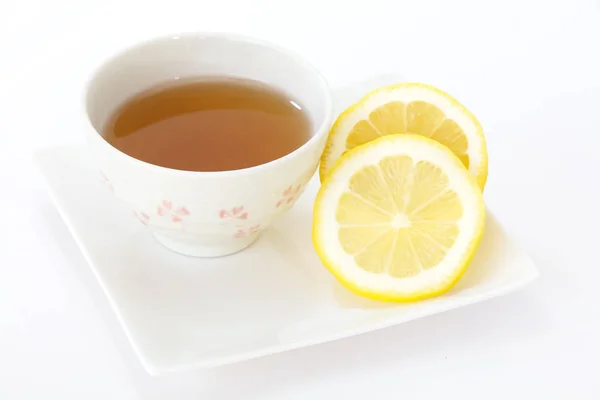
<point x="180" y="312"/>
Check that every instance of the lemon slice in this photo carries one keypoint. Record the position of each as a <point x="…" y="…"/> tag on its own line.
<point x="398" y="219"/>
<point x="410" y="108"/>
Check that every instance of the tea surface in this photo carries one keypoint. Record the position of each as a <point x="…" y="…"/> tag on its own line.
<point x="209" y="125"/>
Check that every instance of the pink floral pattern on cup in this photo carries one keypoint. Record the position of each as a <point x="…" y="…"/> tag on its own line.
<point x="234" y="213"/>
<point x="289" y="195"/>
<point x="175" y="214"/>
<point x="244" y="232"/>
<point x="143" y="217"/>
<point x="107" y="182"/>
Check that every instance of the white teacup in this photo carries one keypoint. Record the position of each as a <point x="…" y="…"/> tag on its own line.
<point x="207" y="213"/>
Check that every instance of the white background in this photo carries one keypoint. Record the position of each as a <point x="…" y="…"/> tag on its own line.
<point x="530" y="70"/>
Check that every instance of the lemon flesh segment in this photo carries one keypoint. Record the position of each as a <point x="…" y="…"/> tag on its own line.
<point x="409" y="108"/>
<point x="398" y="218"/>
<point x="428" y="198"/>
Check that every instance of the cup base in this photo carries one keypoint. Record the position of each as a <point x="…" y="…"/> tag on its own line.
<point x="198" y="250"/>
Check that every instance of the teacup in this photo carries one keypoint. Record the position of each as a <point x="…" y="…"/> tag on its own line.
<point x="207" y="214"/>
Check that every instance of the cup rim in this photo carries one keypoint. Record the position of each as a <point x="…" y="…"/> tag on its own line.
<point x="319" y="132"/>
